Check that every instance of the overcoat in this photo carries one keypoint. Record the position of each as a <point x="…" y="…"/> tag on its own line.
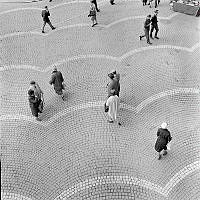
<point x="163" y="137"/>
<point x="57" y="81"/>
<point x="34" y="103"/>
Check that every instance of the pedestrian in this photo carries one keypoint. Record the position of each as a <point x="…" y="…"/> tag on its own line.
<point x="58" y="82"/>
<point x="112" y="2"/>
<point x="45" y="16"/>
<point x="154" y="25"/>
<point x="147" y="24"/>
<point x="92" y="14"/>
<point x="163" y="137"/>
<point x="34" y="104"/>
<point x="113" y="107"/>
<point x="95" y="3"/>
<point x="150" y="3"/>
<point x="144" y="2"/>
<point x="114" y="83"/>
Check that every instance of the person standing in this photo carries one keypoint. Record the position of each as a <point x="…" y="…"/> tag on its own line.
<point x="147" y="24"/>
<point x="113" y="107"/>
<point x="95" y="3"/>
<point x="163" y="137"/>
<point x="114" y="84"/>
<point x="45" y="16"/>
<point x="34" y="104"/>
<point x="58" y="82"/>
<point x="154" y="25"/>
<point x="93" y="15"/>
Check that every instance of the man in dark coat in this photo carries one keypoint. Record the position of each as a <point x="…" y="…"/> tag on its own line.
<point x="163" y="138"/>
<point x="57" y="81"/>
<point x="147" y="24"/>
<point x="114" y="84"/>
<point x="45" y="16"/>
<point x="34" y="104"/>
<point x="95" y="3"/>
<point x="154" y="25"/>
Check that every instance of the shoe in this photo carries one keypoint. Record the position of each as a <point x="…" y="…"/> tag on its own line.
<point x="98" y="10"/>
<point x="53" y="28"/>
<point x="38" y="119"/>
<point x="140" y="37"/>
<point x="157" y="37"/>
<point x="42" y="31"/>
<point x="112" y="3"/>
<point x="110" y="121"/>
<point x="149" y="43"/>
<point x="151" y="37"/>
<point x="119" y="124"/>
<point x="159" y="157"/>
<point x="93" y="25"/>
<point x="165" y="153"/>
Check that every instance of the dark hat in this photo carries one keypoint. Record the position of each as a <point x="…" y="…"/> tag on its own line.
<point x="32" y="82"/>
<point x="30" y="92"/>
<point x="148" y="15"/>
<point x="156" y="11"/>
<point x="46" y="7"/>
<point x="55" y="69"/>
<point x="111" y="75"/>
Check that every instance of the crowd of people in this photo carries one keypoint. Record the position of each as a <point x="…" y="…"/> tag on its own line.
<point x="112" y="104"/>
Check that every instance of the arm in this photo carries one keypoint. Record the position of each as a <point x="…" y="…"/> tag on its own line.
<point x="158" y="133"/>
<point x="52" y="80"/>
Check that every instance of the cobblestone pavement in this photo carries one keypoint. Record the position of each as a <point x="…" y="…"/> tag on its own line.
<point x="73" y="153"/>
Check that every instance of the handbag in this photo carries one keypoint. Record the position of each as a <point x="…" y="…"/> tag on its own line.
<point x="106" y="108"/>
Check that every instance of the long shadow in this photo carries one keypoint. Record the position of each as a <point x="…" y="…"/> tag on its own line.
<point x="20" y="1"/>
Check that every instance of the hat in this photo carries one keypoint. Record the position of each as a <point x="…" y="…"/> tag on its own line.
<point x="111" y="75"/>
<point x="148" y="15"/>
<point x="156" y="11"/>
<point x="113" y="71"/>
<point x="45" y="6"/>
<point x="164" y="125"/>
<point x="55" y="69"/>
<point x="32" y="82"/>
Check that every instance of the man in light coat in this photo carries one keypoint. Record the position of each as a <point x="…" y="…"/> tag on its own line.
<point x="113" y="107"/>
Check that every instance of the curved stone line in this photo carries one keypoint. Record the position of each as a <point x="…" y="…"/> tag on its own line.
<point x="180" y="176"/>
<point x="35" y="8"/>
<point x="117" y="59"/>
<point x="13" y="196"/>
<point x="164" y="94"/>
<point x="81" y="25"/>
<point x="100" y="104"/>
<point x="98" y="181"/>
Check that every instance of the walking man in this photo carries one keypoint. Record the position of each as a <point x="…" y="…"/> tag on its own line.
<point x="147" y="24"/>
<point x="154" y="25"/>
<point x="34" y="104"/>
<point x="58" y="82"/>
<point x="45" y="16"/>
<point x="163" y="138"/>
<point x="113" y="107"/>
<point x="92" y="14"/>
<point x="95" y="3"/>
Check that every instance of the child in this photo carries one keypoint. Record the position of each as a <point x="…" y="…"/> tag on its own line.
<point x="93" y="14"/>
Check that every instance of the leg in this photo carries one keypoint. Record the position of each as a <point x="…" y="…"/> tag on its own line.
<point x="43" y="26"/>
<point x="159" y="156"/>
<point x="147" y="36"/>
<point x="156" y="3"/>
<point x="152" y="29"/>
<point x="157" y="29"/>
<point x="95" y="3"/>
<point x="52" y="27"/>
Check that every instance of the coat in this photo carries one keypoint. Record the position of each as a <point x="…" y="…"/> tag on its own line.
<point x="163" y="138"/>
<point x="34" y="104"/>
<point x="45" y="15"/>
<point x="37" y="91"/>
<point x="114" y="85"/>
<point x="57" y="81"/>
<point x="113" y="104"/>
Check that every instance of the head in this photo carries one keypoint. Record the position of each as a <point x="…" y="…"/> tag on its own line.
<point x="32" y="82"/>
<point x="55" y="69"/>
<point x="155" y="12"/>
<point x="112" y="92"/>
<point x="113" y="71"/>
<point x="46" y="8"/>
<point x="148" y="16"/>
<point x="117" y="76"/>
<point x="31" y="93"/>
<point x="164" y="125"/>
<point x="111" y="76"/>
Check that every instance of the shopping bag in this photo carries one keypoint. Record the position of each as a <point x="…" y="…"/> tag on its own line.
<point x="169" y="145"/>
